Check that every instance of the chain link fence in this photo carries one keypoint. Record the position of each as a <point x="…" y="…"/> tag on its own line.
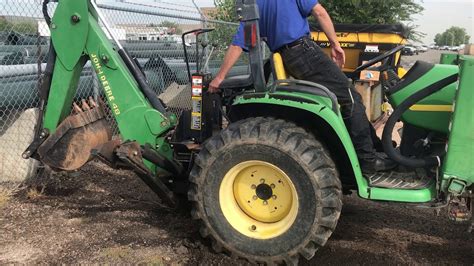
<point x="149" y="30"/>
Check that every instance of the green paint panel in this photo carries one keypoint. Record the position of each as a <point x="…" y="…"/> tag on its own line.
<point x="459" y="161"/>
<point x="403" y="195"/>
<point x="63" y="89"/>
<point x="69" y="38"/>
<point x="436" y="121"/>
<point x="449" y="59"/>
<point x="321" y="106"/>
<point x="127" y="102"/>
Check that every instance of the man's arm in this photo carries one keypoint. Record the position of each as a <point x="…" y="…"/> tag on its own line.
<point x="320" y="13"/>
<point x="232" y="55"/>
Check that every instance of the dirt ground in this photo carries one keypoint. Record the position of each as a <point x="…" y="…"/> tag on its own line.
<point x="99" y="215"/>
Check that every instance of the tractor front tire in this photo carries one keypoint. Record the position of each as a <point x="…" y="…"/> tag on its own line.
<point x="265" y="190"/>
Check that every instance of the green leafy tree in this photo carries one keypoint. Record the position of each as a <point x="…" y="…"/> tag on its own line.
<point x="372" y="11"/>
<point x="4" y="24"/>
<point x="453" y="36"/>
<point x="173" y="26"/>
<point x="222" y="35"/>
<point x="27" y="26"/>
<point x="376" y="12"/>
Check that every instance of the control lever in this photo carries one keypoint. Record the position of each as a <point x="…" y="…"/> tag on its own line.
<point x="196" y="32"/>
<point x="214" y="45"/>
<point x="204" y="45"/>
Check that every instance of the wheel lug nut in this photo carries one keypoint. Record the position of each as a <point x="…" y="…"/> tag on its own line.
<point x="262" y="181"/>
<point x="272" y="185"/>
<point x="254" y="197"/>
<point x="254" y="187"/>
<point x="274" y="197"/>
<point x="265" y="202"/>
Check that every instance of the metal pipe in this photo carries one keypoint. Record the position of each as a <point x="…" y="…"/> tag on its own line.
<point x="154" y="13"/>
<point x="179" y="54"/>
<point x="106" y="24"/>
<point x="129" y="45"/>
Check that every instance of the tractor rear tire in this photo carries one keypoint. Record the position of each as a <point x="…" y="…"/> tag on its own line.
<point x="265" y="190"/>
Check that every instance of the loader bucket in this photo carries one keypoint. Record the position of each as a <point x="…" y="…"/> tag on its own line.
<point x="70" y="146"/>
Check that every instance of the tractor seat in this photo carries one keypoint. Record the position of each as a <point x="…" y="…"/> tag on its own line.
<point x="416" y="71"/>
<point x="239" y="82"/>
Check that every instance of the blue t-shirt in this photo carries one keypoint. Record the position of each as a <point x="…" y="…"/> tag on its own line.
<point x="281" y="22"/>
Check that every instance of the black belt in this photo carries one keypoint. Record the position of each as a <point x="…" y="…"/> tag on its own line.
<point x="293" y="44"/>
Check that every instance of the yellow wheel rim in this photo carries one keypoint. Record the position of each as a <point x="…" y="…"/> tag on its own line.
<point x="258" y="199"/>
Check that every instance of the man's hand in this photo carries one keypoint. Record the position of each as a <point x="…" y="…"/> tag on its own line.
<point x="338" y="55"/>
<point x="214" y="85"/>
<point x="230" y="58"/>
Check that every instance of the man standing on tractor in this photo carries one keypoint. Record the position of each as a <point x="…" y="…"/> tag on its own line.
<point x="284" y="26"/>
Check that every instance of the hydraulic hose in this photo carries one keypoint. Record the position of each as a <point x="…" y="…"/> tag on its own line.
<point x="48" y="72"/>
<point x="141" y="80"/>
<point x="44" y="86"/>
<point x="397" y="114"/>
<point x="46" y="16"/>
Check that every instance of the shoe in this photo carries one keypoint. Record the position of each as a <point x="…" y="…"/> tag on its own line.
<point x="380" y="163"/>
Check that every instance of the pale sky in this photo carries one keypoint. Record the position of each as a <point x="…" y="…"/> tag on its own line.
<point x="441" y="15"/>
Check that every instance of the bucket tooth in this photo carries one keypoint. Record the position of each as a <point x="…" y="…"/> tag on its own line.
<point x="92" y="103"/>
<point x="85" y="106"/>
<point x="76" y="108"/>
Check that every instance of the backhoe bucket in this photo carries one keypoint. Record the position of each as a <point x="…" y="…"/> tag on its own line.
<point x="70" y="146"/>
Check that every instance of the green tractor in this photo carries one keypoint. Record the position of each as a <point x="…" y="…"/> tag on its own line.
<point x="264" y="164"/>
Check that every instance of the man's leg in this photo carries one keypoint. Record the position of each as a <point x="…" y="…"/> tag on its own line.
<point x="308" y="62"/>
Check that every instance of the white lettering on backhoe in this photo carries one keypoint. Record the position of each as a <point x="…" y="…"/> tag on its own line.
<point x="105" y="83"/>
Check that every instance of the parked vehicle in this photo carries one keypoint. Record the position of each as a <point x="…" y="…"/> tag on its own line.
<point x="421" y="49"/>
<point x="409" y="50"/>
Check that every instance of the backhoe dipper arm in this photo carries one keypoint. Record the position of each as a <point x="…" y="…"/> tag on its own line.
<point x="77" y="37"/>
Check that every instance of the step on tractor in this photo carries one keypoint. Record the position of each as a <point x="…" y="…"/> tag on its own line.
<point x="265" y="163"/>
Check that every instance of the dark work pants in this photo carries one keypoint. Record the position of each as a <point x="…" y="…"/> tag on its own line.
<point x="307" y="61"/>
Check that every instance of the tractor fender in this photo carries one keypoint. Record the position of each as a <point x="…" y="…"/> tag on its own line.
<point x="313" y="113"/>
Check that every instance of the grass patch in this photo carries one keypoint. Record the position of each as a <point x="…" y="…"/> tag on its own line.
<point x="116" y="253"/>
<point x="34" y="193"/>
<point x="153" y="260"/>
<point x="6" y="194"/>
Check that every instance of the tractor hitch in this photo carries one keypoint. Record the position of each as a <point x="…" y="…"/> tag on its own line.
<point x="131" y="153"/>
